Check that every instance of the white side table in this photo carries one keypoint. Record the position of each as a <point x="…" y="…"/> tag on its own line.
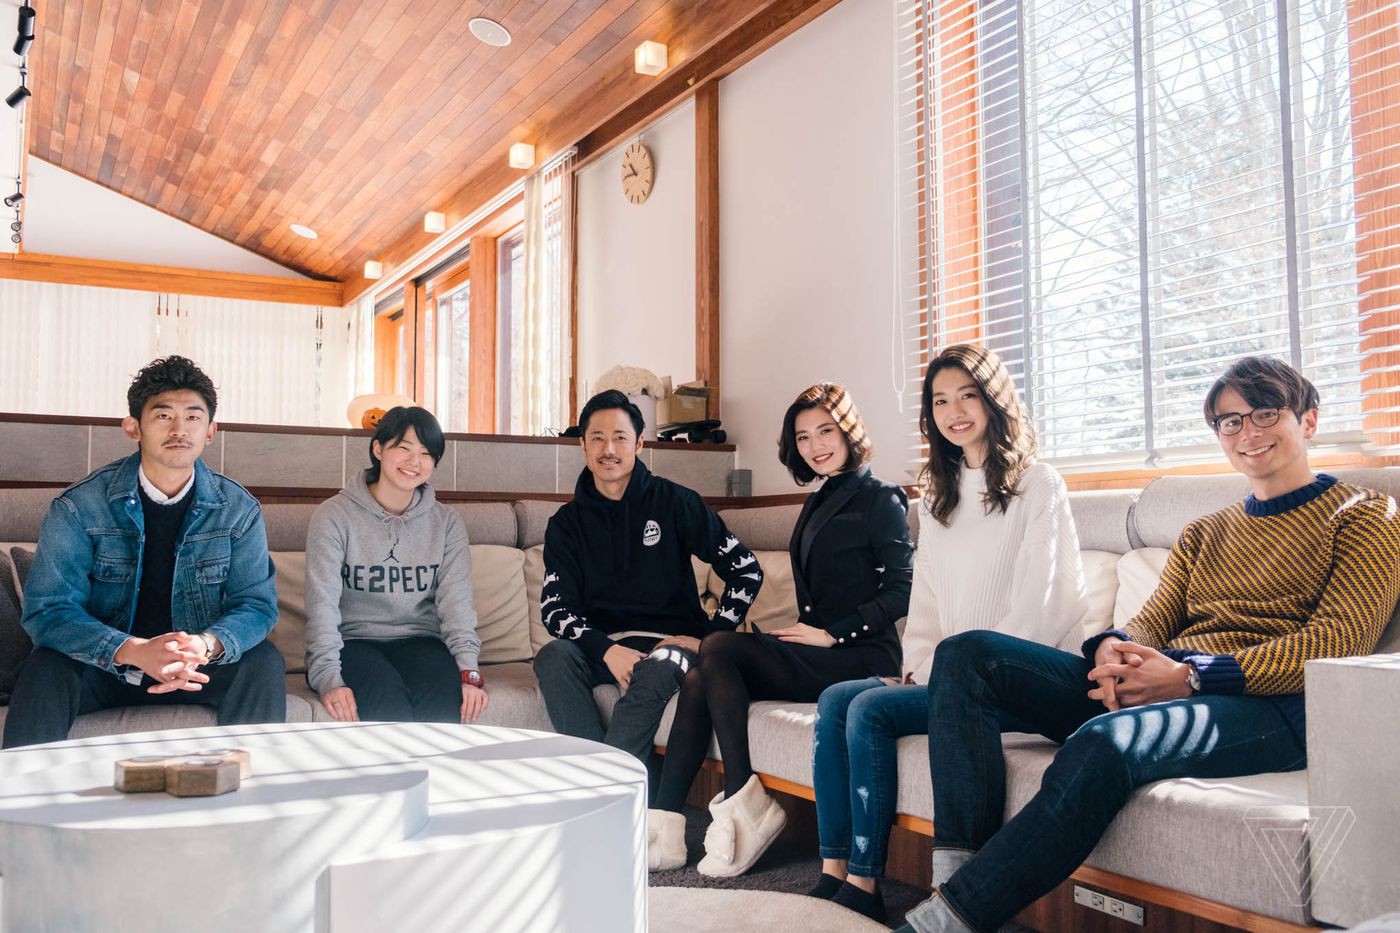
<point x="342" y="827"/>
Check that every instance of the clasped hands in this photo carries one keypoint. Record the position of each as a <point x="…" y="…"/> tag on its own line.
<point x="171" y="660"/>
<point x="1129" y="674"/>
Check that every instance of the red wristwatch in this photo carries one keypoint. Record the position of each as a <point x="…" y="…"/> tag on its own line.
<point x="473" y="679"/>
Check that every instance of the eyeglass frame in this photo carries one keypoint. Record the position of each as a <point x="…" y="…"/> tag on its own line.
<point x="1242" y="415"/>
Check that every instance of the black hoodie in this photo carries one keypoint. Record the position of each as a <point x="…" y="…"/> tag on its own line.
<point x="624" y="566"/>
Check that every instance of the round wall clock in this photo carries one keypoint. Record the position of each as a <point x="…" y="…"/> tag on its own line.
<point x="638" y="173"/>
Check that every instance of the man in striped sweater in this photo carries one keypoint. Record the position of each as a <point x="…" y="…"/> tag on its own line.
<point x="1205" y="681"/>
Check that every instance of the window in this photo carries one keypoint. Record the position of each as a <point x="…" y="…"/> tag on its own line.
<point x="454" y="357"/>
<point x="510" y="298"/>
<point x="1121" y="196"/>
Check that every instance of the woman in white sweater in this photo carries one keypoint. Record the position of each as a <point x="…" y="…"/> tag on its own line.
<point x="997" y="550"/>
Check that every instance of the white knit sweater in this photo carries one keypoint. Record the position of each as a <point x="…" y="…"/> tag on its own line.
<point x="1018" y="573"/>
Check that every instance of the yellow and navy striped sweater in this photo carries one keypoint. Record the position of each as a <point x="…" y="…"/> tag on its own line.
<point x="1251" y="592"/>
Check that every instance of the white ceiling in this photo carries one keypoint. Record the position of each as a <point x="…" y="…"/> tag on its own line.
<point x="65" y="215"/>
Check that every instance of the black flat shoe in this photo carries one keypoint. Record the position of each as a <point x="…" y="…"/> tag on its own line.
<point x="863" y="903"/>
<point x="827" y="887"/>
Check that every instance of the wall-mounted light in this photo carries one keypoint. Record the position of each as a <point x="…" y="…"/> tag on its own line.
<point x="434" y="222"/>
<point x="650" y="58"/>
<point x="20" y="94"/>
<point x="522" y="155"/>
<point x="24" y="35"/>
<point x="374" y="269"/>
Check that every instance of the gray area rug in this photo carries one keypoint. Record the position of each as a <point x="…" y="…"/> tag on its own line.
<point x="791" y="866"/>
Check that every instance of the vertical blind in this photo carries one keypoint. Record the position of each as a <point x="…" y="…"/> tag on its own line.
<point x="272" y="363"/>
<point x="1121" y="196"/>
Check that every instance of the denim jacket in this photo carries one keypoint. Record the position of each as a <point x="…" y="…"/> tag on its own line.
<point x="80" y="598"/>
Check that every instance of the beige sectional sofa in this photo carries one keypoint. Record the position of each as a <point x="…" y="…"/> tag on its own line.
<point x="1236" y="845"/>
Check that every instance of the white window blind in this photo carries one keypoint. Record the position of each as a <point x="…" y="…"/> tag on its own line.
<point x="77" y="347"/>
<point x="1121" y="196"/>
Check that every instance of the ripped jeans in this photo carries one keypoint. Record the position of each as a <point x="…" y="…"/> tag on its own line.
<point x="854" y="769"/>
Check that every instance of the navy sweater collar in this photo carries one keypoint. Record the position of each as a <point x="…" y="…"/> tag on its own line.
<point x="1260" y="508"/>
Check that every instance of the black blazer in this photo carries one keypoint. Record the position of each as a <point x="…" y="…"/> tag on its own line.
<point x="852" y="563"/>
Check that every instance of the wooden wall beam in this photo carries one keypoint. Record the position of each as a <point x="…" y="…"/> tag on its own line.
<point x="481" y="397"/>
<point x="707" y="222"/>
<point x="36" y="267"/>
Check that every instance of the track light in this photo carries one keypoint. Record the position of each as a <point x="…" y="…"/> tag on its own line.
<point x="24" y="36"/>
<point x="12" y="200"/>
<point x="20" y="94"/>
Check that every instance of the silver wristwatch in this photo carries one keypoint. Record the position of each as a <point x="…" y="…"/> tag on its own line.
<point x="1193" y="677"/>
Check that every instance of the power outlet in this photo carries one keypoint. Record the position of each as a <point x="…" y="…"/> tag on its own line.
<point x="1105" y="903"/>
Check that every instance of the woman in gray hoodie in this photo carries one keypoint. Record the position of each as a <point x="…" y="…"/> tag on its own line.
<point x="390" y="628"/>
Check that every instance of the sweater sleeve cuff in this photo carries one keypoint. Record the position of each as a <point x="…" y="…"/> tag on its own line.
<point x="1091" y="645"/>
<point x="1220" y="673"/>
<point x="595" y="644"/>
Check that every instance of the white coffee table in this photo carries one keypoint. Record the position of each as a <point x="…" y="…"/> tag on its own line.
<point x="341" y="828"/>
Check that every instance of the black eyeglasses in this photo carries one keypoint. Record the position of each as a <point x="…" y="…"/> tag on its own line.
<point x="1232" y="422"/>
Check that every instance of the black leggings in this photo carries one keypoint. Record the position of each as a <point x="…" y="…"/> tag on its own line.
<point x="734" y="668"/>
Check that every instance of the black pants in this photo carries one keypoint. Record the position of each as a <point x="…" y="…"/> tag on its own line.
<point x="53" y="690"/>
<point x="402" y="679"/>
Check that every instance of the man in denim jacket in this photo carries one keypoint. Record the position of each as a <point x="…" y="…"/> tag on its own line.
<point x="152" y="582"/>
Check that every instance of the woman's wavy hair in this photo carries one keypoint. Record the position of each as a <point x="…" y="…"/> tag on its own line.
<point x="837" y="402"/>
<point x="1011" y="445"/>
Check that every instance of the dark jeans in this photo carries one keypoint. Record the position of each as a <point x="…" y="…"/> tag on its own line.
<point x="978" y="677"/>
<point x="854" y="769"/>
<point x="402" y="679"/>
<point x="567" y="677"/>
<point x="54" y="689"/>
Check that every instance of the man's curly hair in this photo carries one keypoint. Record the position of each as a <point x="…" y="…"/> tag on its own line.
<point x="169" y="374"/>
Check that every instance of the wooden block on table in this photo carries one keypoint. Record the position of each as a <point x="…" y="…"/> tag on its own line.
<point x="201" y="777"/>
<point x="141" y="775"/>
<point x="240" y="755"/>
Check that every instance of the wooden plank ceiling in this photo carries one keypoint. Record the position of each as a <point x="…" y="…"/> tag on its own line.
<point x="353" y="118"/>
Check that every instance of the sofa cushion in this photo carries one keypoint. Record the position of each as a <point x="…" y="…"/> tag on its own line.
<point x="22" y="511"/>
<point x="515" y="699"/>
<point x="289" y="634"/>
<point x="763" y="529"/>
<point x="531" y="519"/>
<point x="1138" y="573"/>
<point x="534" y="582"/>
<point x="1101" y="519"/>
<point x="14" y="642"/>
<point x="123" y="720"/>
<point x="776" y="605"/>
<point x="23" y="558"/>
<point x="1100" y="588"/>
<point x="1250" y="831"/>
<point x="502" y="612"/>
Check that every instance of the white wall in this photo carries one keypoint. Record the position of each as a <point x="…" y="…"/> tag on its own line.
<point x="807" y="168"/>
<point x="807" y="172"/>
<point x="67" y="215"/>
<point x="636" y="262"/>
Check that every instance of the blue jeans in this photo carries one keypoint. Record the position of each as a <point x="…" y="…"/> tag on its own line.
<point x="980" y="677"/>
<point x="854" y="768"/>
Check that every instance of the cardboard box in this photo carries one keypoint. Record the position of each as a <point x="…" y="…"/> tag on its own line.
<point x="683" y="404"/>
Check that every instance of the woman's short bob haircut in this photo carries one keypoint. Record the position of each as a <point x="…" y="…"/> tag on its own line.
<point x="392" y="428"/>
<point x="837" y="402"/>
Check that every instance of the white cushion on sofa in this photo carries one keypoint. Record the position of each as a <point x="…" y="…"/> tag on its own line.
<point x="1138" y="573"/>
<point x="1101" y="588"/>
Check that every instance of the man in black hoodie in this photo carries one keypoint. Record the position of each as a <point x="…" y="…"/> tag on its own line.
<point x="619" y="592"/>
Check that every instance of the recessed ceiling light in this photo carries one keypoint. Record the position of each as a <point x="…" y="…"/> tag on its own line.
<point x="490" y="31"/>
<point x="303" y="230"/>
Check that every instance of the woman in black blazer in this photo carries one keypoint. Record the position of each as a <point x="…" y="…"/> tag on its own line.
<point x="852" y="566"/>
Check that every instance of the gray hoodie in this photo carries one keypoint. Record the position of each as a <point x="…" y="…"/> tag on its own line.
<point x="373" y="575"/>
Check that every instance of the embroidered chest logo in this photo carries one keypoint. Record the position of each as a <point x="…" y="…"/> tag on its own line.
<point x="651" y="533"/>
